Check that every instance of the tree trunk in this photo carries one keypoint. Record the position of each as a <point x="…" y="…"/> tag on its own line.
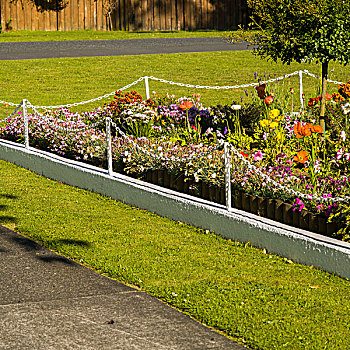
<point x="323" y="95"/>
<point x="110" y="21"/>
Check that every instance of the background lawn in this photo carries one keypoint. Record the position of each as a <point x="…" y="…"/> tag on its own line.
<point x="68" y="80"/>
<point x="24" y="35"/>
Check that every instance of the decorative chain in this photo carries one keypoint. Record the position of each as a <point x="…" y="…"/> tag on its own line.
<point x="92" y="100"/>
<point x="225" y="87"/>
<point x="68" y="105"/>
<point x="13" y="113"/>
<point x="8" y="103"/>
<point x="317" y="77"/>
<point x="285" y="188"/>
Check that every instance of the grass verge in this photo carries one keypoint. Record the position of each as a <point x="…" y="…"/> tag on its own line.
<point x="26" y="35"/>
<point x="68" y="80"/>
<point x="258" y="299"/>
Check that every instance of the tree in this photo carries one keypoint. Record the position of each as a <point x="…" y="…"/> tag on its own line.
<point x="108" y="7"/>
<point x="302" y="31"/>
<point x="45" y="5"/>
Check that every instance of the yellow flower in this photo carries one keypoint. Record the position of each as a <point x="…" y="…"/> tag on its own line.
<point x="274" y="113"/>
<point x="279" y="136"/>
<point x="264" y="122"/>
<point x="273" y="125"/>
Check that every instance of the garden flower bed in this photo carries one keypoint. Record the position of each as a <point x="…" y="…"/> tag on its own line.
<point x="285" y="166"/>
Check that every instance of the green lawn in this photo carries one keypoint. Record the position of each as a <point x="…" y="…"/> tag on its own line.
<point x="258" y="299"/>
<point x="67" y="80"/>
<point x="24" y="35"/>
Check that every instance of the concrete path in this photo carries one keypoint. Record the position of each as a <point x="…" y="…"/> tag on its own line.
<point x="50" y="302"/>
<point x="53" y="49"/>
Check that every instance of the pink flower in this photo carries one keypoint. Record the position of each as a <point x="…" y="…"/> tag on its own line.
<point x="340" y="153"/>
<point x="258" y="156"/>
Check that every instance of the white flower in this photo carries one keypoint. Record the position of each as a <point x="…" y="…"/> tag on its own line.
<point x="213" y="175"/>
<point x="343" y="135"/>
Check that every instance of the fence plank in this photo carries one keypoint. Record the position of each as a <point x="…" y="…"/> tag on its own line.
<point x="156" y="21"/>
<point x="138" y="10"/>
<point x="129" y="15"/>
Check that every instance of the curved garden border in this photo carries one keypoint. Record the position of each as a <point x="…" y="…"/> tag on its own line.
<point x="296" y="244"/>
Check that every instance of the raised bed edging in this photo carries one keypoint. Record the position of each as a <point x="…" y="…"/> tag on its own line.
<point x="296" y="244"/>
<point x="273" y="209"/>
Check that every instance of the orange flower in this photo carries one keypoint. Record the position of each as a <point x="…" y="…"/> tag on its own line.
<point x="301" y="131"/>
<point x="185" y="105"/>
<point x="301" y="157"/>
<point x="316" y="128"/>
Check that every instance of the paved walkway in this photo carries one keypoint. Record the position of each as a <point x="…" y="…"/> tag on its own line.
<point x="53" y="49"/>
<point x="50" y="302"/>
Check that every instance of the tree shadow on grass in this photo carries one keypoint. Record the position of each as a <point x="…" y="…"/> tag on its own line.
<point x="59" y="242"/>
<point x="8" y="196"/>
<point x="4" y="219"/>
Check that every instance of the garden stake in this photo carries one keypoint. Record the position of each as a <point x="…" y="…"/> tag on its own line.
<point x="301" y="90"/>
<point x="25" y="120"/>
<point x="147" y="88"/>
<point x="109" y="146"/>
<point x="227" y="155"/>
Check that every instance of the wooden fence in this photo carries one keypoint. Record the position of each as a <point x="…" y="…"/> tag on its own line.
<point x="132" y="15"/>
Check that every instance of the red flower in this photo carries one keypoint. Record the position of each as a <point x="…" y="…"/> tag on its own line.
<point x="268" y="100"/>
<point x="244" y="154"/>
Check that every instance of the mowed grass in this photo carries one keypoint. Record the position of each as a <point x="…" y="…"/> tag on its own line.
<point x="256" y="298"/>
<point x="25" y="35"/>
<point x="69" y="80"/>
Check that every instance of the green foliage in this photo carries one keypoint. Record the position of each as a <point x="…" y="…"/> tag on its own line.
<point x="299" y="30"/>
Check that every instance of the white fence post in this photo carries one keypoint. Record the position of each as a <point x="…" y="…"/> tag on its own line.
<point x="109" y="146"/>
<point x="227" y="157"/>
<point x="147" y="88"/>
<point x="301" y="90"/>
<point x="26" y="126"/>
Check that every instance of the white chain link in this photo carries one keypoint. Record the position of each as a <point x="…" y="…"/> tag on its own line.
<point x="317" y="77"/>
<point x="9" y="103"/>
<point x="286" y="188"/>
<point x="14" y="112"/>
<point x="225" y="87"/>
<point x="150" y="154"/>
<point x="92" y="100"/>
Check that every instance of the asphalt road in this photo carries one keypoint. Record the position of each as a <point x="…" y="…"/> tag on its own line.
<point x="56" y="49"/>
